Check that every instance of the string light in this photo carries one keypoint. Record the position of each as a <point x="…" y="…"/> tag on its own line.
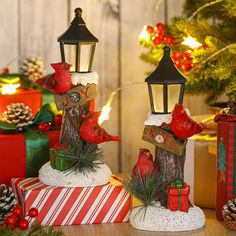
<point x="191" y="42"/>
<point x="9" y="88"/>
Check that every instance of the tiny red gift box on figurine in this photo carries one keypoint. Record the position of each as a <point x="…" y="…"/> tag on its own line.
<point x="226" y="163"/>
<point x="22" y="155"/>
<point x="74" y="205"/>
<point x="178" y="194"/>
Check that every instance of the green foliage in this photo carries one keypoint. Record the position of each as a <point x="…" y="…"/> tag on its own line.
<point x="86" y="158"/>
<point x="146" y="190"/>
<point x="35" y="230"/>
<point x="214" y="64"/>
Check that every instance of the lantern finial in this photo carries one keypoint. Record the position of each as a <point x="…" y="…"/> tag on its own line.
<point x="166" y="50"/>
<point x="78" y="11"/>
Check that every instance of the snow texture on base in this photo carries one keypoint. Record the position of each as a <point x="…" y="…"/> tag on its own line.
<point x="84" y="78"/>
<point x="162" y="219"/>
<point x="158" y="119"/>
<point x="53" y="177"/>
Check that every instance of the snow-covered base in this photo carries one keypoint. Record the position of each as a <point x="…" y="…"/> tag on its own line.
<point x="84" y="78"/>
<point x="53" y="177"/>
<point x="161" y="219"/>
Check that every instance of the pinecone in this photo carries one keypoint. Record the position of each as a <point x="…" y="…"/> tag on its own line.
<point x="229" y="214"/>
<point x="33" y="67"/>
<point x="7" y="201"/>
<point x="18" y="114"/>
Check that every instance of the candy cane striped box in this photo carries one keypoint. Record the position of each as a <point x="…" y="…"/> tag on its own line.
<point x="109" y="203"/>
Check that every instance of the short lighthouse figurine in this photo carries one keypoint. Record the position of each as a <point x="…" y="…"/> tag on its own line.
<point x="162" y="190"/>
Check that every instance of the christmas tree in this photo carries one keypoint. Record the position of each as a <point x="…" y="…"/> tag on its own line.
<point x="221" y="156"/>
<point x="203" y="42"/>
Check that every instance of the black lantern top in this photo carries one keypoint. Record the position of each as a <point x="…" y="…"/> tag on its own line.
<point x="77" y="32"/>
<point x="166" y="72"/>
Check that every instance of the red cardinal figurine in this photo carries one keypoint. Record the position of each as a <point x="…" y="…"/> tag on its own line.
<point x="145" y="164"/>
<point x="182" y="125"/>
<point x="60" y="82"/>
<point x="92" y="132"/>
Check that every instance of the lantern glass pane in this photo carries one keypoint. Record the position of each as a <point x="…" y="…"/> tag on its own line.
<point x="173" y="95"/>
<point x="84" y="57"/>
<point x="157" y="95"/>
<point x="69" y="55"/>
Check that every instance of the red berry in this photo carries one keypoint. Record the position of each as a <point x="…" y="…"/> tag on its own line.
<point x="156" y="41"/>
<point x="186" y="66"/>
<point x="160" y="36"/>
<point x="178" y="63"/>
<point x="23" y="224"/>
<point x="58" y="119"/>
<point x="43" y="127"/>
<point x="177" y="55"/>
<point x="160" y="27"/>
<point x="11" y="221"/>
<point x="187" y="55"/>
<point x="168" y="39"/>
<point x="33" y="212"/>
<point x="150" y="29"/>
<point x="17" y="211"/>
<point x="5" y="71"/>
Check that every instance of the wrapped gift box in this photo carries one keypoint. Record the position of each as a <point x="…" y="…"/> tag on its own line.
<point x="200" y="170"/>
<point x="74" y="206"/>
<point x="30" y="97"/>
<point x="178" y="198"/>
<point x="13" y="156"/>
<point x="226" y="165"/>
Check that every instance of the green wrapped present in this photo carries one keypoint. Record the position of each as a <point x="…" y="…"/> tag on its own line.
<point x="56" y="157"/>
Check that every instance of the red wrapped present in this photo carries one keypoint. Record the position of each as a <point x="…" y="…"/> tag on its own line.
<point x="74" y="206"/>
<point x="23" y="154"/>
<point x="178" y="194"/>
<point x="226" y="164"/>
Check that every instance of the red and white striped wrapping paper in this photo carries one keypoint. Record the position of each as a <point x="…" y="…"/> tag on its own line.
<point x="73" y="206"/>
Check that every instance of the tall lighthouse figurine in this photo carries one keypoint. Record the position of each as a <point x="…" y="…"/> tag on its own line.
<point x="77" y="159"/>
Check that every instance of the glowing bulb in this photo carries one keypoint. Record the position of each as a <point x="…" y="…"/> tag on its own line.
<point x="191" y="42"/>
<point x="104" y="114"/>
<point x="9" y="88"/>
<point x="144" y="35"/>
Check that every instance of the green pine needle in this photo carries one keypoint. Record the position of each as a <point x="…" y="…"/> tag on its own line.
<point x="35" y="230"/>
<point x="146" y="190"/>
<point x="86" y="158"/>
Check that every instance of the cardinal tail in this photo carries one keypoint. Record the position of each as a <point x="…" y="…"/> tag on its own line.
<point x="204" y="126"/>
<point x="115" y="138"/>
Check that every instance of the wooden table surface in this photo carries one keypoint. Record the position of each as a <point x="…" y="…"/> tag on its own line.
<point x="212" y="228"/>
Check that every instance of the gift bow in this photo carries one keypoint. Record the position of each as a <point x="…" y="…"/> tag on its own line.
<point x="178" y="183"/>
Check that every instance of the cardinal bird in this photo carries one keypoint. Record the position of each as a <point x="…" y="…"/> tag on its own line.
<point x="145" y="164"/>
<point x="60" y="82"/>
<point x="92" y="132"/>
<point x="182" y="125"/>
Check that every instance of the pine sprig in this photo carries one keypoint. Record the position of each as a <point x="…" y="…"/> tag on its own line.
<point x="146" y="190"/>
<point x="35" y="230"/>
<point x="84" y="159"/>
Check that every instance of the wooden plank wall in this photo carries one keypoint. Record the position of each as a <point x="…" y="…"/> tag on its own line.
<point x="31" y="28"/>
